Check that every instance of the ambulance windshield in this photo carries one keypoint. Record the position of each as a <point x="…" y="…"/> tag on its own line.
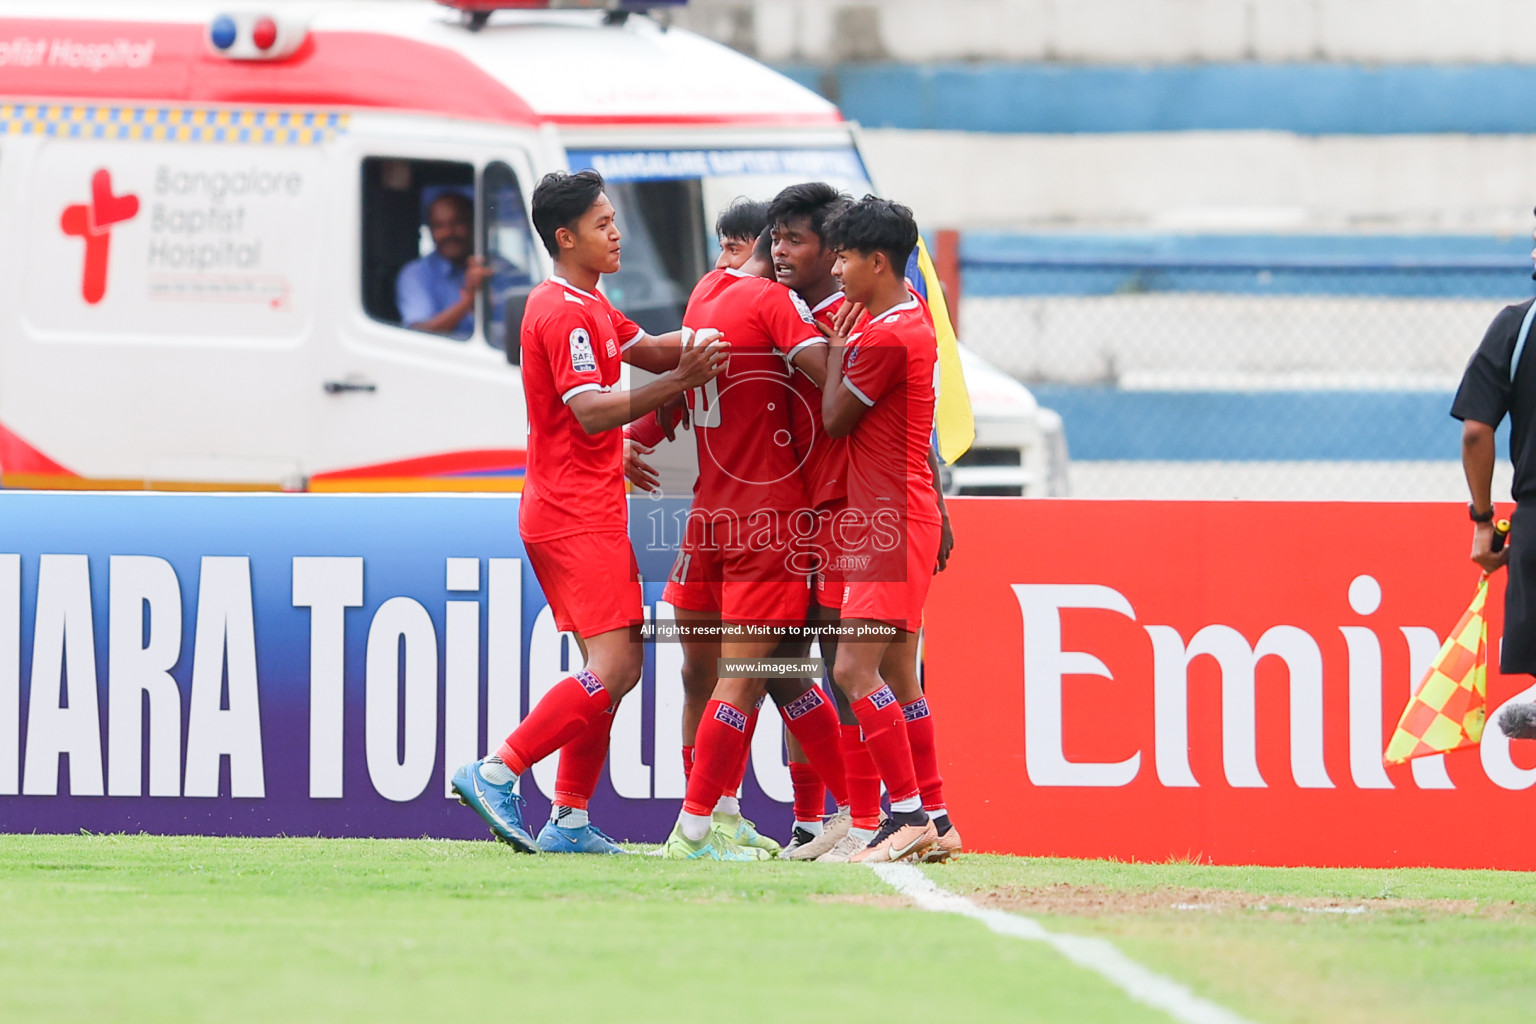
<point x="667" y="201"/>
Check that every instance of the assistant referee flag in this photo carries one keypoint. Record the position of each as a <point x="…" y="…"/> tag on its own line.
<point x="1450" y="704"/>
<point x="952" y="417"/>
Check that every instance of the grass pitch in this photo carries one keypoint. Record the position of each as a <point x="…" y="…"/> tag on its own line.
<point x="143" y="928"/>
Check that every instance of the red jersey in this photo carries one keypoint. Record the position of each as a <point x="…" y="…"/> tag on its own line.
<point x="741" y="419"/>
<point x="922" y="302"/>
<point x="891" y="365"/>
<point x="572" y="342"/>
<point x="823" y="459"/>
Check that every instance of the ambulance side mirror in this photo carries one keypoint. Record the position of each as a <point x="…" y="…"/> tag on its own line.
<point x="517" y="300"/>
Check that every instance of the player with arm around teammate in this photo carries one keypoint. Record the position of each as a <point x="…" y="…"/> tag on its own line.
<point x="804" y="260"/>
<point x="741" y="564"/>
<point x="737" y="229"/>
<point x="880" y="394"/>
<point x="573" y="516"/>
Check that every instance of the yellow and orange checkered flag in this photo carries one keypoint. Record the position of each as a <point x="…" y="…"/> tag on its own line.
<point x="1450" y="704"/>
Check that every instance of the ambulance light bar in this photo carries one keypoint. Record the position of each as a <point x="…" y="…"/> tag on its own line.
<point x="251" y="35"/>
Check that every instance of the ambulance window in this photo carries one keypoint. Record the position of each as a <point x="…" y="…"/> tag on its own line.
<point x="664" y="250"/>
<point x="509" y="252"/>
<point x="398" y="195"/>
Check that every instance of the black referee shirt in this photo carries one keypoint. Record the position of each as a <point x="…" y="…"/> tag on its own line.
<point x="1487" y="395"/>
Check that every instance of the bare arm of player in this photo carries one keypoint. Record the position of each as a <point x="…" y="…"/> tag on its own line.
<point x="672" y="415"/>
<point x="656" y="353"/>
<point x="841" y="409"/>
<point x="660" y="425"/>
<point x="598" y="411"/>
<point x="1477" y="458"/>
<point x="812" y="361"/>
<point x="946" y="535"/>
<point x="643" y="435"/>
<point x="636" y="470"/>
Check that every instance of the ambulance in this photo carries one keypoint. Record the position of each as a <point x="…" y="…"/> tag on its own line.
<point x="205" y="213"/>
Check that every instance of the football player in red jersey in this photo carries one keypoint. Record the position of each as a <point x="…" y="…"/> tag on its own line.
<point x="696" y="588"/>
<point x="573" y="516"/>
<point x="742" y="562"/>
<point x="880" y="394"/>
<point x="738" y="228"/>
<point x="803" y="261"/>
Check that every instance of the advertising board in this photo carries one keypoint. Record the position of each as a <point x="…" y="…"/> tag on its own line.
<point x="1214" y="681"/>
<point x="303" y="665"/>
<point x="1139" y="680"/>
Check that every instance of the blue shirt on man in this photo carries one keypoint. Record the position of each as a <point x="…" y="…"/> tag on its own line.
<point x="428" y="285"/>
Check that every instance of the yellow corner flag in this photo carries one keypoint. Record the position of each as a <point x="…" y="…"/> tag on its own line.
<point x="1450" y="704"/>
<point x="953" y="420"/>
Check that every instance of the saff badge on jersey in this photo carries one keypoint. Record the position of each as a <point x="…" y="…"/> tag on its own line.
<point x="582" y="359"/>
<point x="801" y="308"/>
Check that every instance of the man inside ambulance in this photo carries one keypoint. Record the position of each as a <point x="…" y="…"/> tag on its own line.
<point x="436" y="292"/>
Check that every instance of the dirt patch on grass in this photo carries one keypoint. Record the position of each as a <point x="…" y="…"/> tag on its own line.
<point x="1095" y="901"/>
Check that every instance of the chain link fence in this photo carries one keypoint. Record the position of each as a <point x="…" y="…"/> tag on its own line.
<point x="1288" y="377"/>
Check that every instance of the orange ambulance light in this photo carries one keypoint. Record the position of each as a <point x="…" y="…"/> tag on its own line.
<point x="251" y="35"/>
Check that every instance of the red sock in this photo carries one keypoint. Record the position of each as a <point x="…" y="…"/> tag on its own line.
<point x="863" y="779"/>
<point x="687" y="762"/>
<point x="810" y="792"/>
<point x="581" y="763"/>
<point x="812" y="720"/>
<point x="739" y="773"/>
<point x="925" y="752"/>
<point x="722" y="736"/>
<point x="565" y="713"/>
<point x="885" y="734"/>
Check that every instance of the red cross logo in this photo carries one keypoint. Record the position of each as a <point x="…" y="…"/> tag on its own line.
<point x="93" y="222"/>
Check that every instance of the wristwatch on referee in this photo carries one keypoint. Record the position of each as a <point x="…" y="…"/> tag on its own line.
<point x="1479" y="517"/>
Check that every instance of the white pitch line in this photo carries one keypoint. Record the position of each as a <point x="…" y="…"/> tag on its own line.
<point x="1138" y="982"/>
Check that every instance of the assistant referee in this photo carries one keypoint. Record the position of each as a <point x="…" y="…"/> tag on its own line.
<point x="1500" y="380"/>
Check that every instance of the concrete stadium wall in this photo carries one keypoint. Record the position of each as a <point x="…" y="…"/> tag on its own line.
<point x="1226" y="115"/>
<point x="1201" y="181"/>
<point x="1111" y="31"/>
<point x="1310" y="98"/>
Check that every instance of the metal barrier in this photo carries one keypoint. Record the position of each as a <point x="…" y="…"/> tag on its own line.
<point x="1242" y="375"/>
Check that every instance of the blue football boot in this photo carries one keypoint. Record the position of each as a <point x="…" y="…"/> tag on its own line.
<point x="588" y="838"/>
<point x="498" y="806"/>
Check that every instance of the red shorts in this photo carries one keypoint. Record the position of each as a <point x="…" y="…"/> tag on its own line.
<point x="591" y="581"/>
<point x="893" y="586"/>
<point x="751" y="571"/>
<point x="827" y="586"/>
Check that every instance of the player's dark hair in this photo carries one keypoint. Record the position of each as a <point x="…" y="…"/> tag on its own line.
<point x="876" y="225"/>
<point x="815" y="200"/>
<point x="559" y="201"/>
<point x="743" y="220"/>
<point x="763" y="248"/>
